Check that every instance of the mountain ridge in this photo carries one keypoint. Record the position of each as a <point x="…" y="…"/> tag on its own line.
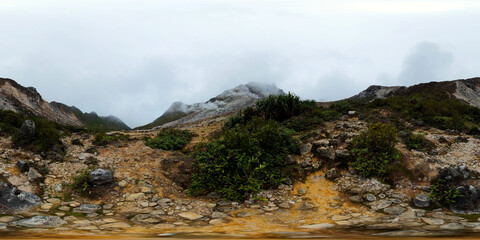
<point x="17" y="98"/>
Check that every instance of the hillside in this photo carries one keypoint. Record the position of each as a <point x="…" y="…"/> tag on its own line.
<point x="400" y="161"/>
<point x="26" y="100"/>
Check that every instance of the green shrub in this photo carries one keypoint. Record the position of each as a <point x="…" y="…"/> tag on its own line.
<point x="280" y="107"/>
<point x="374" y="150"/>
<point x="342" y="106"/>
<point x="45" y="138"/>
<point x="170" y="139"/>
<point x="80" y="181"/>
<point x="102" y="139"/>
<point x="443" y="193"/>
<point x="243" y="160"/>
<point x="417" y="141"/>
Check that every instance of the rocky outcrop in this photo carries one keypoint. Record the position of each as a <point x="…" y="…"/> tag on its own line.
<point x="13" y="200"/>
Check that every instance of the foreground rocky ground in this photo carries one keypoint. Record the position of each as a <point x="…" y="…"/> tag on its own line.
<point x="141" y="190"/>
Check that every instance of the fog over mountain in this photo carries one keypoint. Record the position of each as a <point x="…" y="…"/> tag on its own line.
<point x="133" y="59"/>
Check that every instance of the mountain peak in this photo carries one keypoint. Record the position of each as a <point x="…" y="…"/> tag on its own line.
<point x="228" y="101"/>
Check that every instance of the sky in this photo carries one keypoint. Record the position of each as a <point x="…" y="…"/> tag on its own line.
<point x="132" y="59"/>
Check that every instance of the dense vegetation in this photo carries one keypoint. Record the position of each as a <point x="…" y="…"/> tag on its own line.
<point x="45" y="138"/>
<point x="442" y="192"/>
<point x="249" y="154"/>
<point x="244" y="159"/>
<point x="102" y="139"/>
<point x="436" y="110"/>
<point x="374" y="150"/>
<point x="98" y="123"/>
<point x="170" y="139"/>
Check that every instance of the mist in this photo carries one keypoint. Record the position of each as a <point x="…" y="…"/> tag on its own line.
<point x="134" y="59"/>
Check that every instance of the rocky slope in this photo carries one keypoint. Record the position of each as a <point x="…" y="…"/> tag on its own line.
<point x="19" y="99"/>
<point x="467" y="90"/>
<point x="230" y="101"/>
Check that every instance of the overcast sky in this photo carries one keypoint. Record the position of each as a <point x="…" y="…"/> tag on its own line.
<point x="132" y="59"/>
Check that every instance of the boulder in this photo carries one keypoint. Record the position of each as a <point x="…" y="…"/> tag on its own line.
<point x="325" y="153"/>
<point x="190" y="216"/>
<point x="332" y="174"/>
<point x="421" y="201"/>
<point x="100" y="177"/>
<point x="41" y="222"/>
<point x="13" y="200"/>
<point x="22" y="166"/>
<point x="34" y="175"/>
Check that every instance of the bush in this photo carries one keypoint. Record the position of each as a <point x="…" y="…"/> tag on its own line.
<point x="342" y="106"/>
<point x="279" y="108"/>
<point x="102" y="139"/>
<point x="170" y="139"/>
<point x="443" y="193"/>
<point x="374" y="150"/>
<point x="417" y="141"/>
<point x="45" y="138"/>
<point x="81" y="181"/>
<point x="243" y="160"/>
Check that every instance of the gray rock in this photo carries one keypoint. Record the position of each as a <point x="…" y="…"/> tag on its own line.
<point x="219" y="215"/>
<point x="306" y="206"/>
<point x="285" y="205"/>
<point x="421" y="201"/>
<point x="433" y="221"/>
<point x="383" y="204"/>
<point x="318" y="226"/>
<point x="214" y="195"/>
<point x="190" y="216"/>
<point x="22" y="166"/>
<point x="290" y="160"/>
<point x="34" y="175"/>
<point x="356" y="199"/>
<point x="394" y="210"/>
<point x="325" y="153"/>
<point x="452" y="226"/>
<point x="41" y="222"/>
<point x="370" y="197"/>
<point x="305" y="148"/>
<point x="302" y="191"/>
<point x="332" y="174"/>
<point x="288" y="181"/>
<point x="86" y="208"/>
<point x="101" y="176"/>
<point x="13" y="200"/>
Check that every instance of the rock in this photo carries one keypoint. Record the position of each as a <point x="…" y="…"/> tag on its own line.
<point x="325" y="153"/>
<point x="22" y="166"/>
<point x="288" y="181"/>
<point x="217" y="221"/>
<point x="46" y="206"/>
<point x="219" y="215"/>
<point x="27" y="131"/>
<point x="370" y="197"/>
<point x="145" y="219"/>
<point x="214" y="195"/>
<point x="452" y="226"/>
<point x="284" y="205"/>
<point x="100" y="177"/>
<point x="34" y="175"/>
<point x="421" y="201"/>
<point x="383" y="204"/>
<point x="318" y="226"/>
<point x="115" y="225"/>
<point x="7" y="219"/>
<point x="356" y="199"/>
<point x="304" y="149"/>
<point x="433" y="221"/>
<point x="41" y="222"/>
<point x="190" y="216"/>
<point x="13" y="200"/>
<point x="122" y="183"/>
<point x="340" y="217"/>
<point x="301" y="191"/>
<point x="290" y="160"/>
<point x="135" y="196"/>
<point x="342" y="156"/>
<point x="332" y="174"/>
<point x="394" y="210"/>
<point x="306" y="206"/>
<point x="86" y="208"/>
